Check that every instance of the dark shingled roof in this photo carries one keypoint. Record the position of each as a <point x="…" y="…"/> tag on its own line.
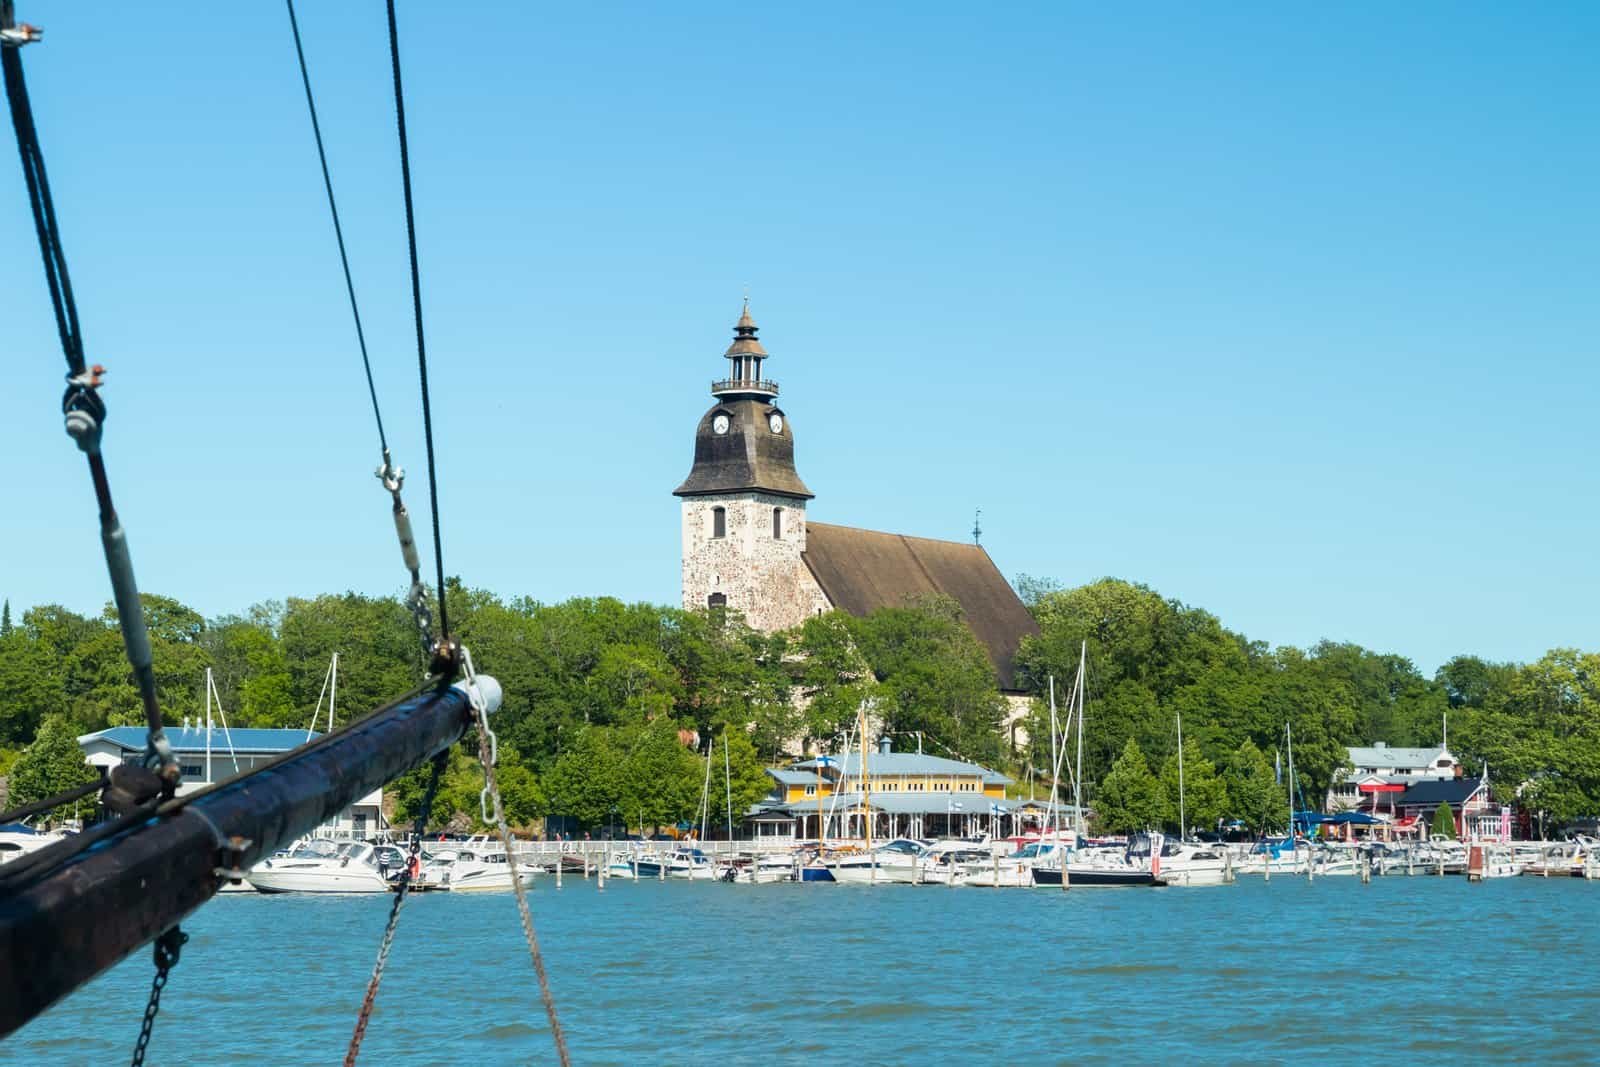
<point x="1440" y="791"/>
<point x="748" y="457"/>
<point x="861" y="570"/>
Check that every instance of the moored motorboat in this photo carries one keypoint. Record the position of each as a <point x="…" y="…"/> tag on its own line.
<point x="894" y="861"/>
<point x="483" y="872"/>
<point x="320" y="866"/>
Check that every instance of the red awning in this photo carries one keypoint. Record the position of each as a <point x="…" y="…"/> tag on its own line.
<point x="1380" y="787"/>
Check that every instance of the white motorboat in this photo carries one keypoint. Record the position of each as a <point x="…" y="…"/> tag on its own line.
<point x="1012" y="871"/>
<point x="762" y="870"/>
<point x="622" y="868"/>
<point x="18" y="839"/>
<point x="680" y="863"/>
<point x="320" y="866"/>
<point x="946" y="862"/>
<point x="895" y="861"/>
<point x="482" y="872"/>
<point x="1197" y="865"/>
<point x="691" y="863"/>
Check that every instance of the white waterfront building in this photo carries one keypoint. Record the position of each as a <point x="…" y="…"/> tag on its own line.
<point x="216" y="754"/>
<point x="1381" y="769"/>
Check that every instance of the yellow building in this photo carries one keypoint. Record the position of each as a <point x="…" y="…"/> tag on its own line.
<point x="908" y="794"/>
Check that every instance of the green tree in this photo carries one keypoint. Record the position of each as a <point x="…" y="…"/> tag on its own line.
<point x="1205" y="796"/>
<point x="1444" y="823"/>
<point x="662" y="780"/>
<point x="1130" y="797"/>
<point x="1254" y="798"/>
<point x="745" y="771"/>
<point x="934" y="677"/>
<point x="52" y="764"/>
<point x="586" y="780"/>
<point x="833" y="677"/>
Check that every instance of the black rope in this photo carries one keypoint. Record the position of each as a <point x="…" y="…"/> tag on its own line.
<point x="82" y="406"/>
<point x="338" y="231"/>
<point x="75" y="793"/>
<point x="416" y="308"/>
<point x="44" y="212"/>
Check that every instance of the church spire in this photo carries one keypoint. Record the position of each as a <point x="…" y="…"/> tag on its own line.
<point x="745" y="356"/>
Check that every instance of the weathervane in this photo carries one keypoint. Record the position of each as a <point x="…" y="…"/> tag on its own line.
<point x="977" y="526"/>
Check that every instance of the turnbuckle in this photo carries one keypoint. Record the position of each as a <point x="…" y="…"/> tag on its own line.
<point x="20" y="34"/>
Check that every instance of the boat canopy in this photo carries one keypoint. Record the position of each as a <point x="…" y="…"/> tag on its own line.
<point x="1352" y="818"/>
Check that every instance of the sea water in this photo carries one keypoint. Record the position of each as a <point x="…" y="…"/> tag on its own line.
<point x="690" y="972"/>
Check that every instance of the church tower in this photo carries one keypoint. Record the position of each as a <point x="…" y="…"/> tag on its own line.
<point x="744" y="506"/>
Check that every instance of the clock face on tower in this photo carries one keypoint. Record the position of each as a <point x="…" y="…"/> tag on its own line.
<point x="776" y="422"/>
<point x="720" y="424"/>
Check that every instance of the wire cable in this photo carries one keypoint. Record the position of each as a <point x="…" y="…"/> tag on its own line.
<point x="43" y="207"/>
<point x="416" y="307"/>
<point x="338" y="231"/>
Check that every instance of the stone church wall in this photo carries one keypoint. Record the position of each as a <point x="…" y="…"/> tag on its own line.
<point x="762" y="577"/>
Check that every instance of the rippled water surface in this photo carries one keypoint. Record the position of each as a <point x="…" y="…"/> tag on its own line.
<point x="688" y="972"/>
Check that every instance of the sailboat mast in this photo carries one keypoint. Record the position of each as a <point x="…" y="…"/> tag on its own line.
<point x="822" y="829"/>
<point x="333" y="688"/>
<point x="1055" y="764"/>
<point x="1288" y="735"/>
<point x="727" y="779"/>
<point x="1077" y="784"/>
<point x="866" y="791"/>
<point x="208" y="725"/>
<point x="1183" y="822"/>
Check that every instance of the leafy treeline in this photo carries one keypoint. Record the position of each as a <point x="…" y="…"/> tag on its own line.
<point x="1535" y="726"/>
<point x="608" y="706"/>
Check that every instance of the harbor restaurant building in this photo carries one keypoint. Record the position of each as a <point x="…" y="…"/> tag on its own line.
<point x="904" y="794"/>
<point x="1379" y="773"/>
<point x="208" y="755"/>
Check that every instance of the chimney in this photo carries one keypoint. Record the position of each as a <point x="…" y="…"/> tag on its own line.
<point x="884" y="745"/>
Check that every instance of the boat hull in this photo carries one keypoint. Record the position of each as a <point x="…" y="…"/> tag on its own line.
<point x="295" y="881"/>
<point x="1095" y="878"/>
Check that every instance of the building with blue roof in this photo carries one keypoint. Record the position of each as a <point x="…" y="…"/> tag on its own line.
<point x="215" y="754"/>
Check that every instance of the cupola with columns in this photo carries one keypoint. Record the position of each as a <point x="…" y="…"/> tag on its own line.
<point x="743" y="502"/>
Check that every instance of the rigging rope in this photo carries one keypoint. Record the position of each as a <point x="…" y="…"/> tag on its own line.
<point x="44" y="212"/>
<point x="488" y="753"/>
<point x="416" y="309"/>
<point x="338" y="231"/>
<point x="391" y="475"/>
<point x="436" y="769"/>
<point x="67" y="797"/>
<point x="83" y="407"/>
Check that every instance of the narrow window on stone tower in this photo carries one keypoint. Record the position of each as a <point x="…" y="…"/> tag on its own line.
<point x="777" y="523"/>
<point x="719" y="522"/>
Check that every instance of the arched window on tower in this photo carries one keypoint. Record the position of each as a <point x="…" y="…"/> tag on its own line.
<point x="777" y="523"/>
<point x="719" y="522"/>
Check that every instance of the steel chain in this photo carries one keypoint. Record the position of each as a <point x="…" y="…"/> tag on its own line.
<point x="168" y="945"/>
<point x="436" y="770"/>
<point x="488" y="751"/>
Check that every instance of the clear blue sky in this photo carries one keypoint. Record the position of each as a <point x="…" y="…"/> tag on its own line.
<point x="1289" y="312"/>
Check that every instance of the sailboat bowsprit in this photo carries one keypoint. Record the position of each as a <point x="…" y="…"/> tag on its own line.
<point x="69" y="917"/>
